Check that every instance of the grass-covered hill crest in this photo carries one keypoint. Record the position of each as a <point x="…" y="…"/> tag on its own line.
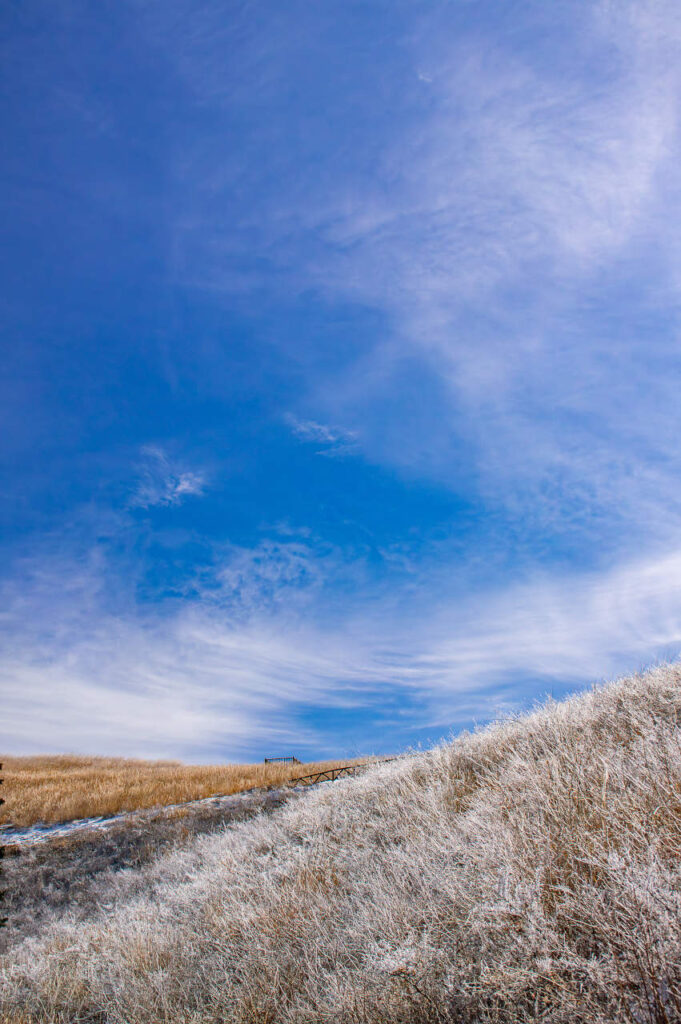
<point x="527" y="872"/>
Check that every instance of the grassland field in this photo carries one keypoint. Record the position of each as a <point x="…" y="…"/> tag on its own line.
<point x="66" y="787"/>
<point x="528" y="872"/>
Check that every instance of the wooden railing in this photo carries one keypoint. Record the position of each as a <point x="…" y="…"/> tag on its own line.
<point x="331" y="774"/>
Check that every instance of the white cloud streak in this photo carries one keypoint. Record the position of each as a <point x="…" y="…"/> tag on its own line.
<point x="162" y="481"/>
<point x="200" y="682"/>
<point x="334" y="440"/>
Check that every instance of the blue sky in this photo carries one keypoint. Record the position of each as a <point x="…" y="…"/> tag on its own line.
<point x="341" y="367"/>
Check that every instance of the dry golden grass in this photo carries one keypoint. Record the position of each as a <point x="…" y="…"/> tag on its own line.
<point x="66" y="787"/>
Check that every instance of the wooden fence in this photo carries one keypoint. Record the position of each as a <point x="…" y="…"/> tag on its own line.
<point x="331" y="774"/>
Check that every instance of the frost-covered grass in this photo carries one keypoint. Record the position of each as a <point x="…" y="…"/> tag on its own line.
<point x="528" y="872"/>
<point x="75" y="873"/>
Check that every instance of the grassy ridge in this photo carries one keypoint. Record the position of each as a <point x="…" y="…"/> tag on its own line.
<point x="63" y="788"/>
<point x="529" y="872"/>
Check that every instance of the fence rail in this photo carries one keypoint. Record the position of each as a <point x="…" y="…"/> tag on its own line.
<point x="282" y="760"/>
<point x="331" y="774"/>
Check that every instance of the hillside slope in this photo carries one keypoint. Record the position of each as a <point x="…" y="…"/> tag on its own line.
<point x="528" y="872"/>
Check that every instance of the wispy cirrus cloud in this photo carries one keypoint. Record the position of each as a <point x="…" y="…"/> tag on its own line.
<point x="165" y="481"/>
<point x="334" y="440"/>
<point x="234" y="676"/>
<point x="221" y="675"/>
<point x="513" y="227"/>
